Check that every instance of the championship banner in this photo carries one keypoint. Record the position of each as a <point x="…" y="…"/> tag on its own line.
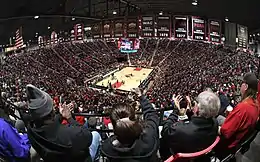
<point x="40" y="41"/>
<point x="132" y="28"/>
<point x="198" y="28"/>
<point x="119" y="28"/>
<point x="164" y="26"/>
<point x="107" y="29"/>
<point x="72" y="35"/>
<point x="147" y="26"/>
<point x="214" y="31"/>
<point x="96" y="30"/>
<point x="79" y="31"/>
<point x="242" y="35"/>
<point x="54" y="38"/>
<point x="180" y="27"/>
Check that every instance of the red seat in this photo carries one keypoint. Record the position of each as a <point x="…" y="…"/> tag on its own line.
<point x="179" y="156"/>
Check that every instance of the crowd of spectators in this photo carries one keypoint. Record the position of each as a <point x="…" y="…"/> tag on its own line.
<point x="181" y="67"/>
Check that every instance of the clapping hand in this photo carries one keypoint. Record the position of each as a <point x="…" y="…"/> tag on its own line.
<point x="177" y="100"/>
<point x="65" y="110"/>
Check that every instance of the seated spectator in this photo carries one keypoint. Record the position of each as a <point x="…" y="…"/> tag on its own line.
<point x="14" y="146"/>
<point x="52" y="140"/>
<point x="242" y="120"/>
<point x="134" y="140"/>
<point x="191" y="136"/>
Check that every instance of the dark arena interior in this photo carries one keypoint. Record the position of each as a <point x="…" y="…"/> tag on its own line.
<point x="129" y="81"/>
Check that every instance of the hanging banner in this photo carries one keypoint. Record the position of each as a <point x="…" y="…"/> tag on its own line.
<point x="54" y="38"/>
<point x="147" y="26"/>
<point x="214" y="31"/>
<point x="180" y="27"/>
<point x="198" y="28"/>
<point x="107" y="29"/>
<point x="96" y="31"/>
<point x="132" y="27"/>
<point x="72" y="35"/>
<point x="40" y="41"/>
<point x="79" y="31"/>
<point x="119" y="28"/>
<point x="242" y="35"/>
<point x="164" y="26"/>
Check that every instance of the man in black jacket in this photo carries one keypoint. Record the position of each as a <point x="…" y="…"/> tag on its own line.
<point x="132" y="142"/>
<point x="194" y="135"/>
<point x="54" y="141"/>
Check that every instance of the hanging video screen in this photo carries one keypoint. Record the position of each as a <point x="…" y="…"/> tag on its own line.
<point x="129" y="45"/>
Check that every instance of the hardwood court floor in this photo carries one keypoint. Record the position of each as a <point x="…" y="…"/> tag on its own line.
<point x="130" y="82"/>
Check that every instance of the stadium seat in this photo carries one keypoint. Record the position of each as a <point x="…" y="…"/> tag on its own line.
<point x="242" y="148"/>
<point x="189" y="156"/>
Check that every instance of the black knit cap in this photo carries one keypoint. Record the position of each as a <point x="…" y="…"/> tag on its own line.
<point x="251" y="80"/>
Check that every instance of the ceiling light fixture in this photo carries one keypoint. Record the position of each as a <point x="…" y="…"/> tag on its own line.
<point x="49" y="27"/>
<point x="258" y="34"/>
<point x="194" y="2"/>
<point x="161" y="13"/>
<point x="114" y="12"/>
<point x="36" y="17"/>
<point x="73" y="18"/>
<point x="226" y="19"/>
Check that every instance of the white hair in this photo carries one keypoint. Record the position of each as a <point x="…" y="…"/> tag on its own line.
<point x="208" y="104"/>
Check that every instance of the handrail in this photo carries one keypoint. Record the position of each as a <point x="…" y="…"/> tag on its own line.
<point x="195" y="154"/>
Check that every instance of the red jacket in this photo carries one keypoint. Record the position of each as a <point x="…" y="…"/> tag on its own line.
<point x="238" y="122"/>
<point x="79" y="119"/>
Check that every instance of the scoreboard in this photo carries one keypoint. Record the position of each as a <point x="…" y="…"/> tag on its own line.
<point x="164" y="26"/>
<point x="214" y="31"/>
<point x="198" y="28"/>
<point x="147" y="26"/>
<point x="180" y="27"/>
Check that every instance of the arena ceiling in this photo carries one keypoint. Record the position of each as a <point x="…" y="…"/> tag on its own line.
<point x="15" y="13"/>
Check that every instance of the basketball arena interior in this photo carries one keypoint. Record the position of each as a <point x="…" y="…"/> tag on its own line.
<point x="129" y="81"/>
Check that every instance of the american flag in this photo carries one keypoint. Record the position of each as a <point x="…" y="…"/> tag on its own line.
<point x="18" y="38"/>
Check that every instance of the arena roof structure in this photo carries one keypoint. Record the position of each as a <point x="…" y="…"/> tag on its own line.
<point x="62" y="14"/>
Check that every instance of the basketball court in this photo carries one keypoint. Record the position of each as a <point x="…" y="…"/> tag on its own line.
<point x="126" y="79"/>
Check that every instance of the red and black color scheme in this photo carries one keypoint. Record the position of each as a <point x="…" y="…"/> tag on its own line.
<point x="164" y="26"/>
<point x="107" y="29"/>
<point x="19" y="38"/>
<point x="198" y="28"/>
<point x="119" y="28"/>
<point x="147" y="26"/>
<point x="180" y="24"/>
<point x="132" y="27"/>
<point x="214" y="31"/>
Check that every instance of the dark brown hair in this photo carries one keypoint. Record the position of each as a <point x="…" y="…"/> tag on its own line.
<point x="127" y="126"/>
<point x="250" y="92"/>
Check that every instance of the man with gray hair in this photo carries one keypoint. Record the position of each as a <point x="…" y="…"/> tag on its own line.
<point x="194" y="135"/>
